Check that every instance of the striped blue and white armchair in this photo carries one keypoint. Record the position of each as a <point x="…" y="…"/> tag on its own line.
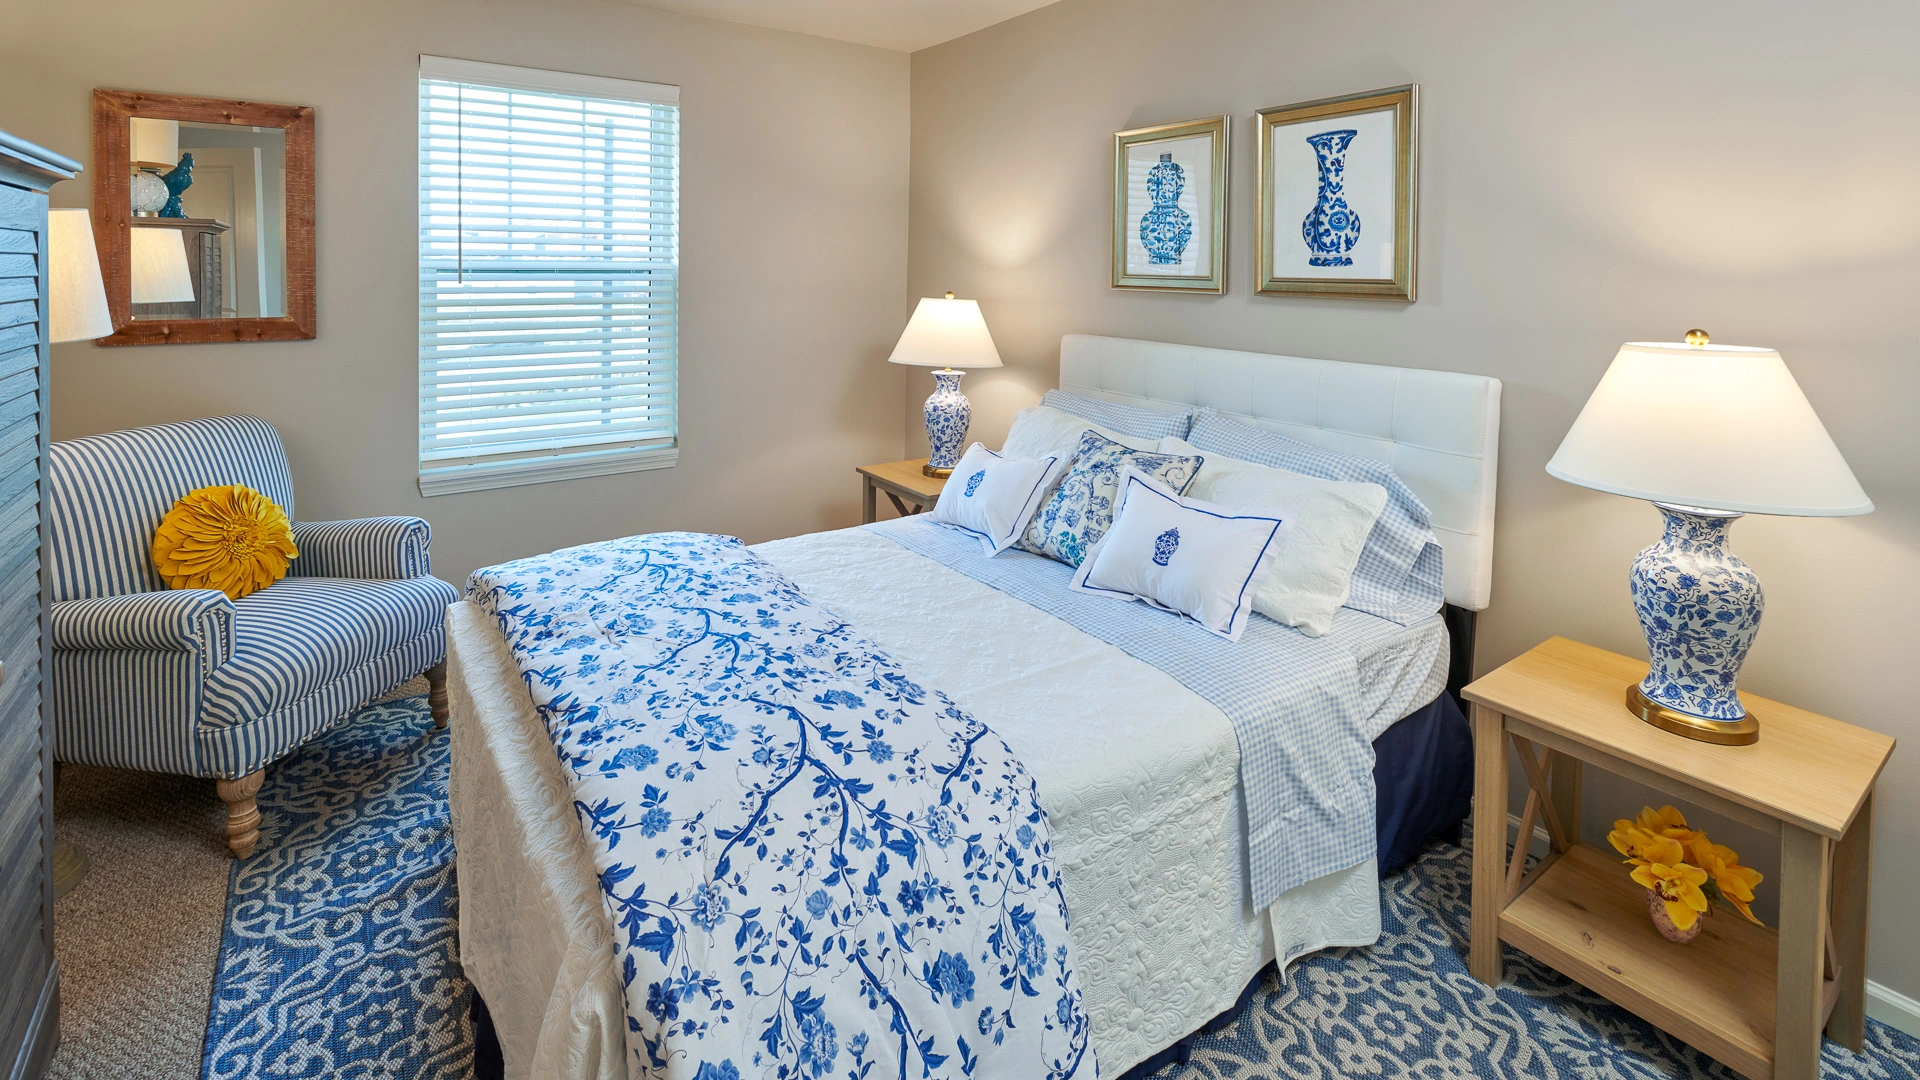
<point x="186" y="681"/>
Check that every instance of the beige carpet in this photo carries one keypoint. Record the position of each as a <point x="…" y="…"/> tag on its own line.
<point x="138" y="939"/>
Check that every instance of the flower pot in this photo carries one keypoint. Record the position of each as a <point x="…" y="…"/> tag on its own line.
<point x="1663" y="922"/>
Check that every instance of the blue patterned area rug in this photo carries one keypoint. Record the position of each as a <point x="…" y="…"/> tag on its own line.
<point x="1407" y="1007"/>
<point x="338" y="956"/>
<point x="339" y="960"/>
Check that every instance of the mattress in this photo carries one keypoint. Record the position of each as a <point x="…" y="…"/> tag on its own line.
<point x="1138" y="773"/>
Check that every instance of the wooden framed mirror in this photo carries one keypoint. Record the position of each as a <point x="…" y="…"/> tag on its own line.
<point x="203" y="214"/>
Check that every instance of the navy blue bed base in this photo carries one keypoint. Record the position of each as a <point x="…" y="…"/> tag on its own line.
<point x="1423" y="780"/>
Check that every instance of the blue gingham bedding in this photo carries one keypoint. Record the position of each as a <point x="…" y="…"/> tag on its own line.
<point x="1305" y="710"/>
<point x="815" y="866"/>
<point x="1141" y="423"/>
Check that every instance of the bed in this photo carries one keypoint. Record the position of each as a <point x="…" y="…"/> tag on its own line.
<point x="1139" y="773"/>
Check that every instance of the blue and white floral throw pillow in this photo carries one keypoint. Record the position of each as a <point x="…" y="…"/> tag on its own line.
<point x="1079" y="510"/>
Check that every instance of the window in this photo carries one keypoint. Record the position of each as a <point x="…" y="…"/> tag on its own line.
<point x="549" y="275"/>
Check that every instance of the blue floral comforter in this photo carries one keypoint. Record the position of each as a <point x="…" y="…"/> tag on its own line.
<point x="815" y="866"/>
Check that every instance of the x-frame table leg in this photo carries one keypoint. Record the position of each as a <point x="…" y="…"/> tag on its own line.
<point x="1537" y="769"/>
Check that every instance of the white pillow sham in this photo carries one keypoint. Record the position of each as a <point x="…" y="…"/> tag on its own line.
<point x="993" y="496"/>
<point x="1328" y="522"/>
<point x="1194" y="558"/>
<point x="1044" y="430"/>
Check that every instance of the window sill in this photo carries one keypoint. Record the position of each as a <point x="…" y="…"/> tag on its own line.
<point x="464" y="478"/>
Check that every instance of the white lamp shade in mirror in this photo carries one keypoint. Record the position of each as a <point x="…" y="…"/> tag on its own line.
<point x="946" y="333"/>
<point x="1718" y="427"/>
<point x="76" y="298"/>
<point x="153" y="142"/>
<point x="160" y="273"/>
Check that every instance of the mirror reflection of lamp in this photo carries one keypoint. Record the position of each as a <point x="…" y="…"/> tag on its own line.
<point x="154" y="147"/>
<point x="160" y="272"/>
<point x="76" y="298"/>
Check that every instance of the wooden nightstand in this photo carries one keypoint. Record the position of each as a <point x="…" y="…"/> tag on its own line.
<point x="1755" y="998"/>
<point x="904" y="483"/>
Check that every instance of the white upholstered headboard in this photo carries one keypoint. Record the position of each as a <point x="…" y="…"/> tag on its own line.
<point x="1440" y="430"/>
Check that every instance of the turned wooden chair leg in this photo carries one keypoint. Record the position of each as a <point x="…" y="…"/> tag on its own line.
<point x="437" y="693"/>
<point x="243" y="814"/>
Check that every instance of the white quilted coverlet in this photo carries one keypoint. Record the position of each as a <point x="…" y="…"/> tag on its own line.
<point x="1139" y="776"/>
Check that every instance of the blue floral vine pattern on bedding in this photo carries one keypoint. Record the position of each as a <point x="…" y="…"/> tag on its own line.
<point x="1077" y="513"/>
<point x="816" y="867"/>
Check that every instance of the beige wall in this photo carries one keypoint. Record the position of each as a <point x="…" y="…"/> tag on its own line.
<point x="793" y="230"/>
<point x="1619" y="172"/>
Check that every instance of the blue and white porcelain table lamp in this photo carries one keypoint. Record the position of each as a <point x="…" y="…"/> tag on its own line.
<point x="946" y="334"/>
<point x="1707" y="433"/>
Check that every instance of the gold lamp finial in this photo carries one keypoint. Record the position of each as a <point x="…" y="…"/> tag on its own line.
<point x="1697" y="338"/>
<point x="949" y="294"/>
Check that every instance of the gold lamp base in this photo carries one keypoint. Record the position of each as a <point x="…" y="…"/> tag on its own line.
<point x="1742" y="732"/>
<point x="937" y="474"/>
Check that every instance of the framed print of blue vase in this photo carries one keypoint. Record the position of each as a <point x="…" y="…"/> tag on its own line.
<point x="1169" y="207"/>
<point x="1338" y="205"/>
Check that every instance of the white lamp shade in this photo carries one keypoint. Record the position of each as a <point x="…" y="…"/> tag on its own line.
<point x="946" y="334"/>
<point x="1717" y="426"/>
<point x="160" y="273"/>
<point x="153" y="142"/>
<point x="76" y="297"/>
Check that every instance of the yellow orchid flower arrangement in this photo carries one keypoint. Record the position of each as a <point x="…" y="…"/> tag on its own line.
<point x="1673" y="862"/>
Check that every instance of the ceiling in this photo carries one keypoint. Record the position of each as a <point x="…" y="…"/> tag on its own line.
<point x="905" y="25"/>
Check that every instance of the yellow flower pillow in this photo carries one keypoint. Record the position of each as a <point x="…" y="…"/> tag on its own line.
<point x="229" y="538"/>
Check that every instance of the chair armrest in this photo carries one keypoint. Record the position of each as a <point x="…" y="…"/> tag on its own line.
<point x="172" y="620"/>
<point x="377" y="548"/>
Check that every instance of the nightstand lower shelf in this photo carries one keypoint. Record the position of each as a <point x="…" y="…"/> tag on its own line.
<point x="1587" y="919"/>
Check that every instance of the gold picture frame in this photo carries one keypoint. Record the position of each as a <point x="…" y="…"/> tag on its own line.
<point x="1363" y="143"/>
<point x="1175" y="263"/>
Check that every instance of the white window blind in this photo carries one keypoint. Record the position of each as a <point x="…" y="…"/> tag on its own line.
<point x="549" y="275"/>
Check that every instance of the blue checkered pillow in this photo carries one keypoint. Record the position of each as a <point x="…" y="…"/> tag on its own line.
<point x="1125" y="419"/>
<point x="1079" y="510"/>
<point x="1399" y="573"/>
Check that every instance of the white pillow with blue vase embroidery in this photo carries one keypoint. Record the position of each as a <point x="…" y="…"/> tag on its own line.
<point x="1197" y="559"/>
<point x="1078" y="510"/>
<point x="993" y="497"/>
